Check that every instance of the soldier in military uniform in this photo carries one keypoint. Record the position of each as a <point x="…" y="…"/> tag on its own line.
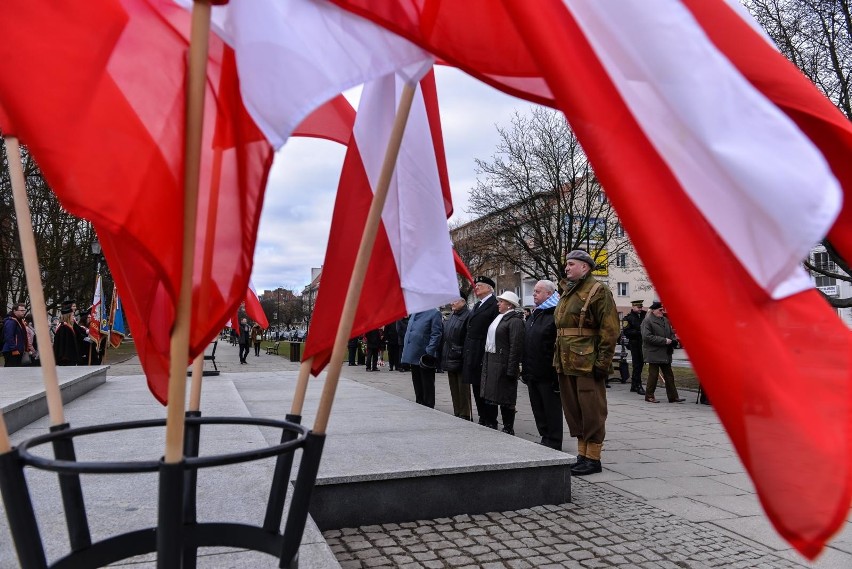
<point x="633" y="332"/>
<point x="587" y="330"/>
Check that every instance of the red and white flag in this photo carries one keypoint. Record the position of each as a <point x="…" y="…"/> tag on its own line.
<point x="412" y="264"/>
<point x="253" y="308"/>
<point x="725" y="166"/>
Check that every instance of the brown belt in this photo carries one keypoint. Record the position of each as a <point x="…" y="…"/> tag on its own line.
<point x="577" y="332"/>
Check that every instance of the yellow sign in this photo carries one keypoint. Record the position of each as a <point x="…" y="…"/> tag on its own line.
<point x="601" y="259"/>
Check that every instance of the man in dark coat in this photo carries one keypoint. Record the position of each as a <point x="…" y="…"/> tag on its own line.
<point x="538" y="371"/>
<point x="245" y="340"/>
<point x="374" y="347"/>
<point x="455" y="328"/>
<point x="14" y="336"/>
<point x="392" y="339"/>
<point x="483" y="314"/>
<point x="633" y="332"/>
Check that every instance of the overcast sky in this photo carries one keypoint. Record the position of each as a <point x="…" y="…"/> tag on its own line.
<point x="300" y="196"/>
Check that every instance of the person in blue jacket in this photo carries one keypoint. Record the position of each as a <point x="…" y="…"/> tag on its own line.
<point x="420" y="352"/>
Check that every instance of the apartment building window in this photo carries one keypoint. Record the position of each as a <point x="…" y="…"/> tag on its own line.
<point x="622" y="289"/>
<point x="619" y="230"/>
<point x="502" y="268"/>
<point x="825" y="281"/>
<point x="824" y="263"/>
<point x="621" y="260"/>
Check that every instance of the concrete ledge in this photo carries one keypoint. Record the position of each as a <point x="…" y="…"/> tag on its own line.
<point x="31" y="403"/>
<point x="354" y="504"/>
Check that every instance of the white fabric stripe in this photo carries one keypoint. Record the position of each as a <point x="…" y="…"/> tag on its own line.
<point x="413" y="216"/>
<point x="294" y="55"/>
<point x="757" y="179"/>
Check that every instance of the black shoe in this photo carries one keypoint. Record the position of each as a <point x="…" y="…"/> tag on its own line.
<point x="588" y="466"/>
<point x="679" y="400"/>
<point x="580" y="460"/>
<point x="508" y="430"/>
<point x="640" y="390"/>
<point x="632" y="389"/>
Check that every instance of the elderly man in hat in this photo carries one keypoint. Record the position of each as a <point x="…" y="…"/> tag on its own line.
<point x="483" y="314"/>
<point x="658" y="341"/>
<point x="633" y="333"/>
<point x="587" y="330"/>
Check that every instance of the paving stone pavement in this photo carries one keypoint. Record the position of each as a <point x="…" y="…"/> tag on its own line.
<point x="673" y="494"/>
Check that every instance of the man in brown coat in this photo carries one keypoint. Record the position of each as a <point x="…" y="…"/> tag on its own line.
<point x="587" y="330"/>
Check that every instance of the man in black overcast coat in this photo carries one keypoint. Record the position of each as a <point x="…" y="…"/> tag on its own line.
<point x="483" y="314"/>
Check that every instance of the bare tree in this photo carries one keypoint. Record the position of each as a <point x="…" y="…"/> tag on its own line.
<point x="536" y="199"/>
<point x="63" y="243"/>
<point x="816" y="36"/>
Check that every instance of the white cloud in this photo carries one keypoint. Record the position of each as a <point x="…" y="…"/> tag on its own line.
<point x="296" y="215"/>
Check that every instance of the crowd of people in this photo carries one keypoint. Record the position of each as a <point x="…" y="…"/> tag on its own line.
<point x="72" y="343"/>
<point x="562" y="350"/>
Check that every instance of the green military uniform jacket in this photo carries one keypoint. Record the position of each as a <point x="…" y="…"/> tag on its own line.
<point x="578" y="352"/>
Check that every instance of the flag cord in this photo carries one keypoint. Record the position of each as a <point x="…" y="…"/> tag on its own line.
<point x="179" y="341"/>
<point x="359" y="271"/>
<point x="37" y="303"/>
<point x="301" y="387"/>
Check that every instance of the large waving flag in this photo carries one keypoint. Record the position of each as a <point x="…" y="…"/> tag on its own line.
<point x="687" y="108"/>
<point x="101" y="125"/>
<point x="412" y="264"/>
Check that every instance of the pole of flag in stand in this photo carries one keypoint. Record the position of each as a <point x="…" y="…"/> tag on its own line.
<point x="412" y="267"/>
<point x="365" y="248"/>
<point x="33" y="275"/>
<point x="179" y="342"/>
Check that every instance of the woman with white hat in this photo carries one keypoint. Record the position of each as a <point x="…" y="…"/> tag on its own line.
<point x="504" y="350"/>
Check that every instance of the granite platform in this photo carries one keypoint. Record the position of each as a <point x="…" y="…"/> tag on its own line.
<point x="22" y="397"/>
<point x="385" y="459"/>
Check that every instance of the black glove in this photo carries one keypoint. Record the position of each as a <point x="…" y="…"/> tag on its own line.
<point x="600" y="374"/>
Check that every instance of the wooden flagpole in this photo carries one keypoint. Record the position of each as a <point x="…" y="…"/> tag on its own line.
<point x="5" y="444"/>
<point x="206" y="263"/>
<point x="179" y="341"/>
<point x="301" y="386"/>
<point x="359" y="272"/>
<point x="37" y="303"/>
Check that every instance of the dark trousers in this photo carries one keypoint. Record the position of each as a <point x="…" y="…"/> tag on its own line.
<point x="424" y="385"/>
<point x="487" y="411"/>
<point x="654" y="372"/>
<point x="352" y="355"/>
<point x="12" y="361"/>
<point x="547" y="410"/>
<point x="638" y="363"/>
<point x="372" y="358"/>
<point x="584" y="406"/>
<point x="257" y="348"/>
<point x="460" y="394"/>
<point x="244" y="352"/>
<point x="393" y="356"/>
